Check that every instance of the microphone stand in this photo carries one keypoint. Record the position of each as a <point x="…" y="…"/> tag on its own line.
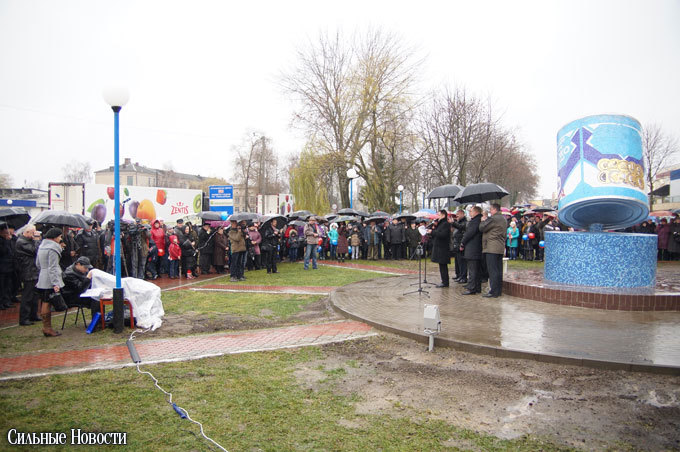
<point x="420" y="290"/>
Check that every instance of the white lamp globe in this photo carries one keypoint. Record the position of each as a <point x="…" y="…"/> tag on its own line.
<point x="352" y="173"/>
<point x="400" y="188"/>
<point x="116" y="96"/>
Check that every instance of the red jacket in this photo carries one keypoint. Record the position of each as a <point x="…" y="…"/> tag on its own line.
<point x="158" y="236"/>
<point x="174" y="250"/>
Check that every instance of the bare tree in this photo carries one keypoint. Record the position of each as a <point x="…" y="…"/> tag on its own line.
<point x="76" y="171"/>
<point x="341" y="85"/>
<point x="256" y="166"/>
<point x="5" y="180"/>
<point x="457" y="130"/>
<point x="658" y="150"/>
<point x="40" y="185"/>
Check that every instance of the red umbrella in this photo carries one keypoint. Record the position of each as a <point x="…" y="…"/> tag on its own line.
<point x="661" y="213"/>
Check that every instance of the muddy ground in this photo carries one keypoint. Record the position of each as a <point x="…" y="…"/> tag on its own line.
<point x="571" y="406"/>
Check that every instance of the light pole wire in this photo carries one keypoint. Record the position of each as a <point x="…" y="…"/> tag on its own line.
<point x="176" y="407"/>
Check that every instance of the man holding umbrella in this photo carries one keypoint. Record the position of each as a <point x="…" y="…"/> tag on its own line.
<point x="493" y="230"/>
<point x="471" y="244"/>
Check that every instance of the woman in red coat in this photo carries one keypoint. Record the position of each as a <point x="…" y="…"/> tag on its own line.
<point x="158" y="237"/>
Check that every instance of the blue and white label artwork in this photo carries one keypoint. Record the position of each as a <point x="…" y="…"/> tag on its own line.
<point x="601" y="172"/>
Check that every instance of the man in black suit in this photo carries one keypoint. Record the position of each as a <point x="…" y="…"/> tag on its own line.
<point x="472" y="247"/>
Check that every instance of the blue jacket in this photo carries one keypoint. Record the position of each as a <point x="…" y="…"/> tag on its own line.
<point x="512" y="237"/>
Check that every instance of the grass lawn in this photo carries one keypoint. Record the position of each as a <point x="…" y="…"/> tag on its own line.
<point x="245" y="402"/>
<point x="520" y="264"/>
<point x="252" y="304"/>
<point x="295" y="275"/>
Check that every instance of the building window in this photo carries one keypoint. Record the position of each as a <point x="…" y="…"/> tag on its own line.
<point x="237" y="199"/>
<point x="130" y="180"/>
<point x="235" y="209"/>
<point x="253" y="201"/>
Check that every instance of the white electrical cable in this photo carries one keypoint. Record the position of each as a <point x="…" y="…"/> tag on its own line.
<point x="169" y="394"/>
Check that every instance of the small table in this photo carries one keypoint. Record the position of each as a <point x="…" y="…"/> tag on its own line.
<point x="109" y="302"/>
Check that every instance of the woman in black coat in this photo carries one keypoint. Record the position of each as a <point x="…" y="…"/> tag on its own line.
<point x="269" y="247"/>
<point x="440" y="248"/>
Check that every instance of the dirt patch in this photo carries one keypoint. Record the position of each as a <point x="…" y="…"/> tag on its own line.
<point x="508" y="398"/>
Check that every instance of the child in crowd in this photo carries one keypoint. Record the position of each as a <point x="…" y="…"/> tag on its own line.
<point x="175" y="254"/>
<point x="355" y="242"/>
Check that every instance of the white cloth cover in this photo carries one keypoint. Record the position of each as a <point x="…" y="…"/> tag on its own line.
<point x="144" y="296"/>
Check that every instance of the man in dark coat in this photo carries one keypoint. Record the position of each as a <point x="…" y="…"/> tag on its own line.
<point x="413" y="238"/>
<point x="459" y="225"/>
<point x="70" y="248"/>
<point x="206" y="248"/>
<point x="6" y="267"/>
<point x="24" y="258"/>
<point x="493" y="230"/>
<point x="77" y="279"/>
<point x="397" y="236"/>
<point x="88" y="244"/>
<point x="440" y="250"/>
<point x="472" y="245"/>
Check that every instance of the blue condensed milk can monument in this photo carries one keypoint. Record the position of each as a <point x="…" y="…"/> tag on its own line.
<point x="601" y="187"/>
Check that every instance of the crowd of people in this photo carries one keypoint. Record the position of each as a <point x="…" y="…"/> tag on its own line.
<point x="53" y="266"/>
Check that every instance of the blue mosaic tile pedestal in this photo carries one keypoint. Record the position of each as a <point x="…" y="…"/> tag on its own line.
<point x="601" y="259"/>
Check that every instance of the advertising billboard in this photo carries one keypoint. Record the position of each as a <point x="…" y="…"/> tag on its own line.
<point x="222" y="198"/>
<point x="145" y="203"/>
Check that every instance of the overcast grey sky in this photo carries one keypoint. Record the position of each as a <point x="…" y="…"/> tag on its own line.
<point x="203" y="73"/>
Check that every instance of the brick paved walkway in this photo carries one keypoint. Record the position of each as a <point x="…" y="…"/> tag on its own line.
<point x="516" y="327"/>
<point x="181" y="349"/>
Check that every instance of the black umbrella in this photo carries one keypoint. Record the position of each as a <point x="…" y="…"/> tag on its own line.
<point x="60" y="218"/>
<point x="267" y="219"/>
<point x="408" y="217"/>
<point x="379" y="220"/>
<point x="243" y="216"/>
<point x="445" y="191"/>
<point x="330" y="216"/>
<point x="15" y="217"/>
<point x="380" y="213"/>
<point x="210" y="216"/>
<point x="297" y="223"/>
<point x="348" y="211"/>
<point x="481" y="192"/>
<point x="363" y="214"/>
<point x="345" y="218"/>
<point x="300" y="214"/>
<point x="544" y="209"/>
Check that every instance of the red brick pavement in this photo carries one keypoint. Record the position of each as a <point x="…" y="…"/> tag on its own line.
<point x="179" y="349"/>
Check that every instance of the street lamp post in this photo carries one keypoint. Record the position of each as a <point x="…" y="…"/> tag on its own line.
<point x="423" y="199"/>
<point x="351" y="175"/>
<point x="401" y="193"/>
<point x="116" y="97"/>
